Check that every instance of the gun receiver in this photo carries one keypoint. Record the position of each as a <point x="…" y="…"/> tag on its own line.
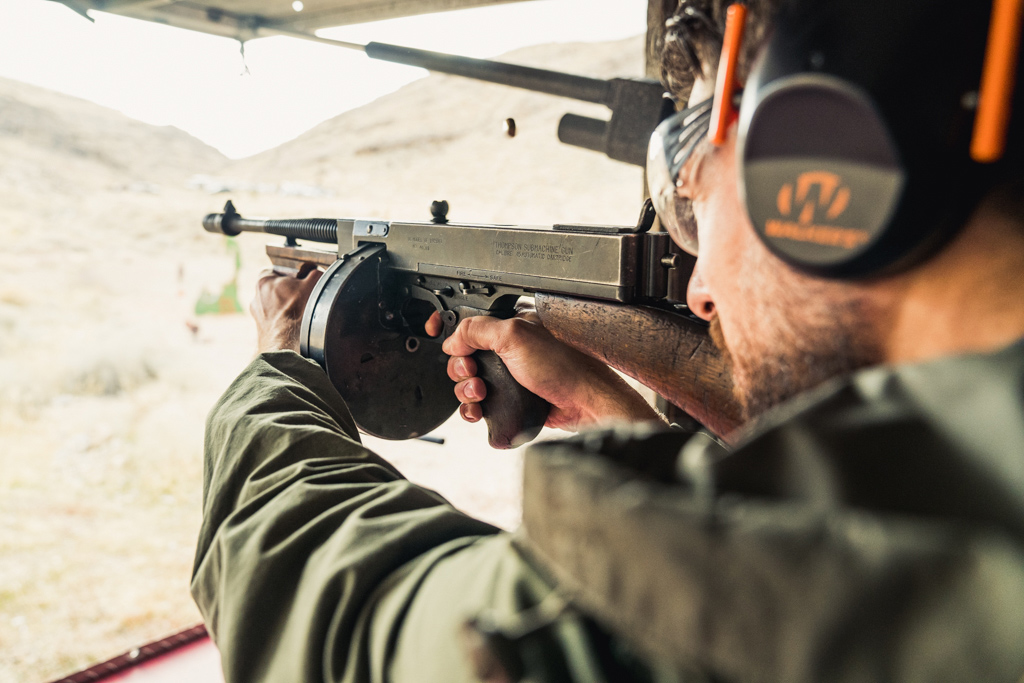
<point x="365" y="320"/>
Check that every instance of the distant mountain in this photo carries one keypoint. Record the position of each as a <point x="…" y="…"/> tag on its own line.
<point x="53" y="141"/>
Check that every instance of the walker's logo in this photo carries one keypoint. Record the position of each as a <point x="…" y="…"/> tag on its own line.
<point x="828" y="196"/>
<point x="832" y="200"/>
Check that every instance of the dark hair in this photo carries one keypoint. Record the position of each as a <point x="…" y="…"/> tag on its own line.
<point x="693" y="40"/>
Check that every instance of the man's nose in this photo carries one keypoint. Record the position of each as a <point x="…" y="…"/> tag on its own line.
<point x="698" y="298"/>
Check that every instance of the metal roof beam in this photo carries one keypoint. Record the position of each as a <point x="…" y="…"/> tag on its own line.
<point x="205" y="19"/>
<point x="118" y="5"/>
<point x="362" y="12"/>
<point x="247" y="19"/>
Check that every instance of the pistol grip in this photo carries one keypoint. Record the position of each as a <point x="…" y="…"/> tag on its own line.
<point x="514" y="415"/>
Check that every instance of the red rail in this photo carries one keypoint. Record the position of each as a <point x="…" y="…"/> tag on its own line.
<point x="186" y="656"/>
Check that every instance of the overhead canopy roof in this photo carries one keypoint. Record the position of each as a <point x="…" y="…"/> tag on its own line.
<point x="245" y="19"/>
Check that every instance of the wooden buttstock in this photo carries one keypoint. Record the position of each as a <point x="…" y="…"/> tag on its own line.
<point x="671" y="355"/>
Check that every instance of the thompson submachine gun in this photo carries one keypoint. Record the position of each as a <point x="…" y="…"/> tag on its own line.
<point x="365" y="320"/>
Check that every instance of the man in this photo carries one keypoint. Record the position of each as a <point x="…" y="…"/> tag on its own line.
<point x="867" y="528"/>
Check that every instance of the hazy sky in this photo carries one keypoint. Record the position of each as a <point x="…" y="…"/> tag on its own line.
<point x="194" y="81"/>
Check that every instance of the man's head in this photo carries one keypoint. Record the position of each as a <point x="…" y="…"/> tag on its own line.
<point x="786" y="331"/>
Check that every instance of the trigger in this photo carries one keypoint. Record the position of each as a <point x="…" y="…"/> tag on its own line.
<point x="450" y="321"/>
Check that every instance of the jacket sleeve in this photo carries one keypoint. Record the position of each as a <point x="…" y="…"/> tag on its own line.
<point x="312" y="548"/>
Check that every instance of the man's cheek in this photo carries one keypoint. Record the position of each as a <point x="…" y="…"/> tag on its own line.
<point x="718" y="338"/>
<point x="718" y="248"/>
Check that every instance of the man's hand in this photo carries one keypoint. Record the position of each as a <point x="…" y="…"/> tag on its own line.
<point x="581" y="390"/>
<point x="278" y="305"/>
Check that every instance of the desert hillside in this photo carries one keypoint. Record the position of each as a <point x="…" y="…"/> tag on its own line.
<point x="53" y="142"/>
<point x="106" y="371"/>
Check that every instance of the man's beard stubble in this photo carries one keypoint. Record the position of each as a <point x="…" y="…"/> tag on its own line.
<point x="772" y="368"/>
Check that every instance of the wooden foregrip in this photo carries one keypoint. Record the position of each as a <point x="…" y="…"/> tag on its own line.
<point x="293" y="259"/>
<point x="514" y="415"/>
<point x="671" y="355"/>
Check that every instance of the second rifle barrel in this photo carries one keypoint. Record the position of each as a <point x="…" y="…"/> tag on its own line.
<point x="581" y="88"/>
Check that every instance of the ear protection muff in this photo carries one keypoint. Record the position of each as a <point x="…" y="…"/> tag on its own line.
<point x="867" y="133"/>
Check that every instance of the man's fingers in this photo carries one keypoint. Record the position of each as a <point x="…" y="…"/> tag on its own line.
<point x="305" y="269"/>
<point x="480" y="333"/>
<point x="472" y="390"/>
<point x="471" y="412"/>
<point x="461" y="367"/>
<point x="300" y="273"/>
<point x="266" y="276"/>
<point x="434" y="327"/>
<point x="288" y="284"/>
<point x="309" y="280"/>
<point x="311" y="274"/>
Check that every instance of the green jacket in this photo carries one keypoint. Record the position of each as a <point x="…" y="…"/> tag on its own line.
<point x="870" y="531"/>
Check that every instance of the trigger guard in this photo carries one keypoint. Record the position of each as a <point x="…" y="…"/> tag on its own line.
<point x="449" y="319"/>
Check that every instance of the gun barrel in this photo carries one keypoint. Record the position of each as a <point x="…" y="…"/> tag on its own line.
<point x="581" y="88"/>
<point x="583" y="131"/>
<point x="323" y="230"/>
